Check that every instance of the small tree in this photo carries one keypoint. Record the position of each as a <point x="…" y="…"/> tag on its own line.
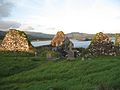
<point x="116" y="40"/>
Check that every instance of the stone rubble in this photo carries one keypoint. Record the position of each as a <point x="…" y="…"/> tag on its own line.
<point x="63" y="45"/>
<point x="101" y="45"/>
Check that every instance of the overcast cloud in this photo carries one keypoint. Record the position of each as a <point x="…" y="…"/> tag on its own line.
<point x="87" y="16"/>
<point x="5" y="8"/>
<point x="5" y="11"/>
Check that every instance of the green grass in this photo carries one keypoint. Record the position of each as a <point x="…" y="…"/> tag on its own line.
<point x="35" y="73"/>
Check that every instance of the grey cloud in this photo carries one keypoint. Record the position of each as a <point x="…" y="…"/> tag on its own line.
<point x="5" y="11"/>
<point x="29" y="28"/>
<point x="5" y="8"/>
<point x="50" y="28"/>
<point x="9" y="24"/>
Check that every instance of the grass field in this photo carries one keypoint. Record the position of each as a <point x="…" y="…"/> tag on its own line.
<point x="35" y="73"/>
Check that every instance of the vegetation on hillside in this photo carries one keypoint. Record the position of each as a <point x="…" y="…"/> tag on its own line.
<point x="29" y="72"/>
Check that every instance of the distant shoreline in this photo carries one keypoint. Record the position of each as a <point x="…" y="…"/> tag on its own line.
<point x="39" y="40"/>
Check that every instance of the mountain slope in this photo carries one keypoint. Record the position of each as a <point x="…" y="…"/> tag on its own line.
<point x="79" y="36"/>
<point x="38" y="35"/>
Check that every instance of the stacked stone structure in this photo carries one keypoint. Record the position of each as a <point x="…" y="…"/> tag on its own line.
<point x="16" y="40"/>
<point x="62" y="44"/>
<point x="101" y="45"/>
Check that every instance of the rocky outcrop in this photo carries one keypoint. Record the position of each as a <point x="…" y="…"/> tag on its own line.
<point x="101" y="45"/>
<point x="16" y="40"/>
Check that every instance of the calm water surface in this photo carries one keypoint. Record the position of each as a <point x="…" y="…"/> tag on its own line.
<point x="76" y="43"/>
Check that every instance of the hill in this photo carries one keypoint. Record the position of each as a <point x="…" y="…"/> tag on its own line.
<point x="35" y="73"/>
<point x="2" y="34"/>
<point x="86" y="36"/>
<point x="80" y="36"/>
<point x="43" y="36"/>
<point x="39" y="36"/>
<point x="32" y="35"/>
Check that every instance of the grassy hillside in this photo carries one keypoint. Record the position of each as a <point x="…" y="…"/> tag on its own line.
<point x="35" y="73"/>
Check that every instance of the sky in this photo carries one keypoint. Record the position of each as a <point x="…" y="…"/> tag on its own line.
<point x="50" y="16"/>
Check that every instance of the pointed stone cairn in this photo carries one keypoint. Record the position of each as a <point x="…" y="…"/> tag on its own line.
<point x="58" y="39"/>
<point x="62" y="44"/>
<point x="61" y="40"/>
<point x="16" y="40"/>
<point x="101" y="45"/>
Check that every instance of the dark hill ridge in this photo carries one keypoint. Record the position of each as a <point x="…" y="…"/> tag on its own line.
<point x="39" y="35"/>
<point x="43" y="36"/>
<point x="79" y="36"/>
<point x="2" y="34"/>
<point x="32" y="35"/>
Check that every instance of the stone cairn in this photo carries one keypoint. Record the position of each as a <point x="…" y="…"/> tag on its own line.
<point x="61" y="40"/>
<point x="58" y="39"/>
<point x="101" y="45"/>
<point x="62" y="44"/>
<point x="16" y="40"/>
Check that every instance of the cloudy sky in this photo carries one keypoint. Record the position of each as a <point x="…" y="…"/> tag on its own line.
<point x="50" y="16"/>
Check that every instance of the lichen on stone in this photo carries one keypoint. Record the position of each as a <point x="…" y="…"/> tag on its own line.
<point x="16" y="40"/>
